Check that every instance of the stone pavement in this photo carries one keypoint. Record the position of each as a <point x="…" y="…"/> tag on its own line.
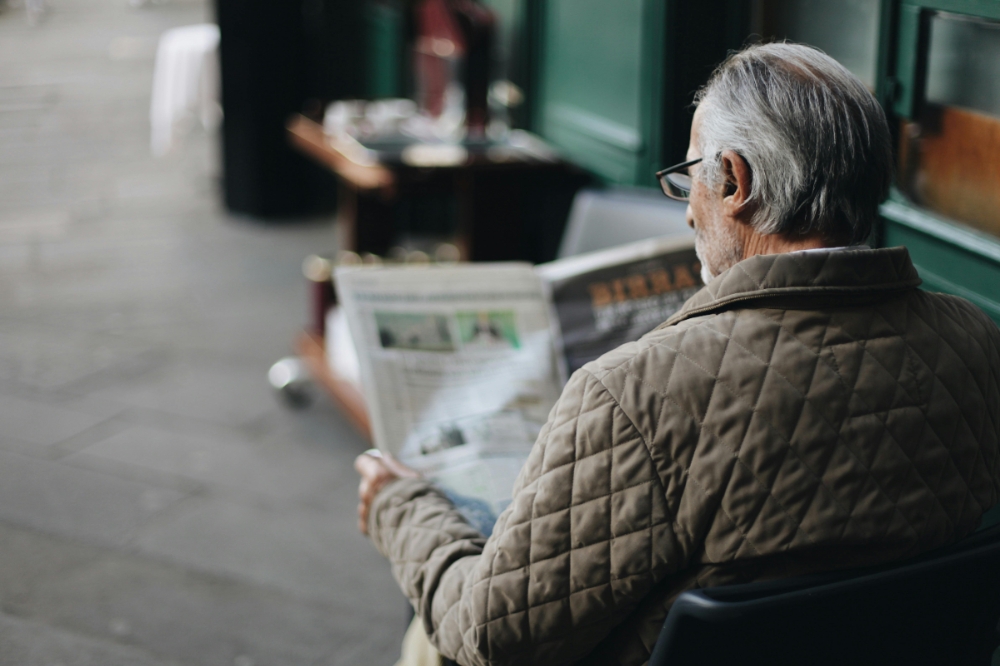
<point x="157" y="504"/>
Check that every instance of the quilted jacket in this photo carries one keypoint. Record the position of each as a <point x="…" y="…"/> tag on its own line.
<point x="804" y="411"/>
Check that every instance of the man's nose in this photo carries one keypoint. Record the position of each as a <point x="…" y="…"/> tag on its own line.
<point x="689" y="216"/>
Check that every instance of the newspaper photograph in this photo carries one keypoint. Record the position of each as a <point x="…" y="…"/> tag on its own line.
<point x="458" y="368"/>
<point x="606" y="298"/>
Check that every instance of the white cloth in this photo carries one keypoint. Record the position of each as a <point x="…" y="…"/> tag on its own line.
<point x="417" y="649"/>
<point x="185" y="84"/>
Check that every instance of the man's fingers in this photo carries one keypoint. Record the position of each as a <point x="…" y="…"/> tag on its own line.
<point x="367" y="491"/>
<point x="366" y="465"/>
<point x="363" y="517"/>
<point x="376" y="470"/>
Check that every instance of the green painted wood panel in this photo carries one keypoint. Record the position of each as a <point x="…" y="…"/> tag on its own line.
<point x="599" y="86"/>
<point x="950" y="258"/>
<point x="384" y="23"/>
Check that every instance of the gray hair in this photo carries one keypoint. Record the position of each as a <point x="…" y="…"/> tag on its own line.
<point x="815" y="138"/>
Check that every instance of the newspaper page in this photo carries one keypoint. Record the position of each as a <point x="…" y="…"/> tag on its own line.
<point x="606" y="298"/>
<point x="458" y="367"/>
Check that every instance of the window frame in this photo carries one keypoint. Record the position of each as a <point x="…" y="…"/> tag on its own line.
<point x="949" y="255"/>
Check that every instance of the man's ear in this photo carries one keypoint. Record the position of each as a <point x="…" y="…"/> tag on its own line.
<point x="739" y="180"/>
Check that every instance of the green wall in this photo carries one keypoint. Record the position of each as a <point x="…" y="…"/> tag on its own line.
<point x="949" y="258"/>
<point x="386" y="39"/>
<point x="595" y="98"/>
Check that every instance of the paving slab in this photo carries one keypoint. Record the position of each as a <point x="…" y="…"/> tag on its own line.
<point x="221" y="392"/>
<point x="47" y="357"/>
<point x="41" y="423"/>
<point x="38" y="644"/>
<point x="52" y="496"/>
<point x="136" y="601"/>
<point x="316" y="554"/>
<point x="158" y="504"/>
<point x="232" y="462"/>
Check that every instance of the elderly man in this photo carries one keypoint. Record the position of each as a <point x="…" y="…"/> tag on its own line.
<point x="809" y="409"/>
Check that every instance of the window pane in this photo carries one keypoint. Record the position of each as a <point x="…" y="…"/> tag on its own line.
<point x="847" y="30"/>
<point x="949" y="157"/>
<point x="963" y="67"/>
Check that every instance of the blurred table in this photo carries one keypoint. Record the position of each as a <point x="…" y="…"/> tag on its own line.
<point x="497" y="201"/>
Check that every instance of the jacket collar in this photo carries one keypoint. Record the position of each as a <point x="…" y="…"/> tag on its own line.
<point x="836" y="272"/>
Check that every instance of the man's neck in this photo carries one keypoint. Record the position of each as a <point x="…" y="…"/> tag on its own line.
<point x="755" y="244"/>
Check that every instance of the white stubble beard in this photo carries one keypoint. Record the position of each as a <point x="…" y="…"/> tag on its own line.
<point x="717" y="251"/>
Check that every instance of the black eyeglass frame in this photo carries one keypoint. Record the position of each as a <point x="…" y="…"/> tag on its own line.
<point x="683" y="183"/>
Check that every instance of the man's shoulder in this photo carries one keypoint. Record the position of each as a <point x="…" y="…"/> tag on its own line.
<point x="958" y="311"/>
<point x="956" y="323"/>
<point x="655" y="351"/>
<point x="688" y="356"/>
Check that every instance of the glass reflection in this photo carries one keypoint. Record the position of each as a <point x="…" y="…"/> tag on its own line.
<point x="949" y="157"/>
<point x="847" y="30"/>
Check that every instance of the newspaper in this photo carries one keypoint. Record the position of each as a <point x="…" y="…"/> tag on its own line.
<point x="458" y="366"/>
<point x="603" y="299"/>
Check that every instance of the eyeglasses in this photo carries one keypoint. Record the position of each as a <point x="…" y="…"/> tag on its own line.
<point x="675" y="181"/>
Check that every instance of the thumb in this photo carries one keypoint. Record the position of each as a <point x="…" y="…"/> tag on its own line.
<point x="398" y="468"/>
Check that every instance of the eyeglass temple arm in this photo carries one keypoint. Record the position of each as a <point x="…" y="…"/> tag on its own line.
<point x="677" y="167"/>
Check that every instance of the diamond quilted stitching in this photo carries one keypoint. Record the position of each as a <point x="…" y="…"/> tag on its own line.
<point x="590" y="522"/>
<point x="894" y="439"/>
<point x="625" y="563"/>
<point x="710" y="484"/>
<point x="652" y="487"/>
<point x="546" y="582"/>
<point x="942" y="369"/>
<point x="549" y="536"/>
<point x="860" y="409"/>
<point x="551" y="496"/>
<point x="541" y="562"/>
<point x="590" y="558"/>
<point x="629" y="463"/>
<point x="631" y="509"/>
<point x="592" y="478"/>
<point x="783" y="323"/>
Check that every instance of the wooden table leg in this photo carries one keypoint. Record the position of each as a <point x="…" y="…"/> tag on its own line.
<point x="346" y="395"/>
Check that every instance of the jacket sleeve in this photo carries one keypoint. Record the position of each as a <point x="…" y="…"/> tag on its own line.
<point x="587" y="535"/>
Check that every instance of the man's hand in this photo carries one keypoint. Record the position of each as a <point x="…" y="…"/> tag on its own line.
<point x="376" y="470"/>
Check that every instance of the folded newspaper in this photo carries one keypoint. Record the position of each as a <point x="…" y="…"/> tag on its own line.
<point x="460" y="365"/>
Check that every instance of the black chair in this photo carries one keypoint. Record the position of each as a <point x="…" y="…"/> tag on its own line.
<point x="939" y="610"/>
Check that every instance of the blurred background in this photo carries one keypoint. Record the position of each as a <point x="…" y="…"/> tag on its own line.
<point x="178" y="177"/>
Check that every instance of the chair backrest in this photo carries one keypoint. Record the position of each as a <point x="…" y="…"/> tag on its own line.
<point x="601" y="219"/>
<point x="939" y="610"/>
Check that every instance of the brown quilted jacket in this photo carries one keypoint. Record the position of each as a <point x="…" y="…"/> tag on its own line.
<point x="804" y="411"/>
